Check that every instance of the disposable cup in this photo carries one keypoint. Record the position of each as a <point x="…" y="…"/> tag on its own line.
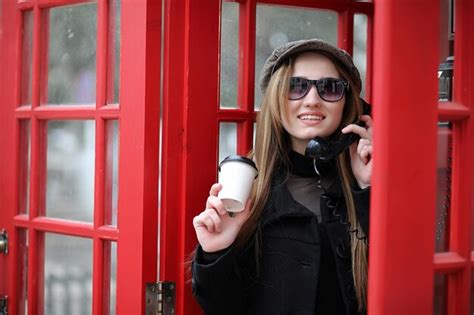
<point x="236" y="174"/>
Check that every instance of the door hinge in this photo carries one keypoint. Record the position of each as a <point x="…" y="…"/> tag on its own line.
<point x="160" y="298"/>
<point x="3" y="305"/>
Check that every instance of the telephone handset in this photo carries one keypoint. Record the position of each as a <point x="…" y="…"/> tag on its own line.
<point x="327" y="149"/>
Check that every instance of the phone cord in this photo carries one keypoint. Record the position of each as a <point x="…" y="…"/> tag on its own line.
<point x="332" y="205"/>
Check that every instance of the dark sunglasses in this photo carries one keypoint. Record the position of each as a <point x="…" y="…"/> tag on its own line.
<point x="329" y="89"/>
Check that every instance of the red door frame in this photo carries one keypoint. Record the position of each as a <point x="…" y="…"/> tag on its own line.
<point x="401" y="275"/>
<point x="138" y="115"/>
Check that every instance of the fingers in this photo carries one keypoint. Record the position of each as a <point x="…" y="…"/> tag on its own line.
<point x="367" y="120"/>
<point x="208" y="219"/>
<point x="361" y="131"/>
<point x="215" y="203"/>
<point x="364" y="150"/>
<point x="214" y="191"/>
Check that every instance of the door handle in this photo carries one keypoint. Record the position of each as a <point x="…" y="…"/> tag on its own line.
<point x="3" y="242"/>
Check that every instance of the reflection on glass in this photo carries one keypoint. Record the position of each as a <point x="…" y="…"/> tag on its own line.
<point x="26" y="57"/>
<point x="443" y="185"/>
<point x="70" y="170"/>
<point x="293" y="24"/>
<point x="72" y="54"/>
<point x="23" y="271"/>
<point x="24" y="167"/>
<point x="111" y="173"/>
<point x="67" y="275"/>
<point x="227" y="139"/>
<point x="110" y="274"/>
<point x="440" y="294"/>
<point x="229" y="54"/>
<point x="113" y="55"/>
<point x="360" y="46"/>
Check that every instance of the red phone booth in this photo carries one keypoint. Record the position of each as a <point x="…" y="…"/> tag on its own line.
<point x="115" y="114"/>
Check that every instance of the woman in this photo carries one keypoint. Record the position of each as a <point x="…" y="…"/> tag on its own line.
<point x="300" y="246"/>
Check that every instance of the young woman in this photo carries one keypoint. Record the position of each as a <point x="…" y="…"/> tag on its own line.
<point x="300" y="246"/>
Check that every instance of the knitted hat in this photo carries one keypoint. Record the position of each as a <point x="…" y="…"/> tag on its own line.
<point x="284" y="52"/>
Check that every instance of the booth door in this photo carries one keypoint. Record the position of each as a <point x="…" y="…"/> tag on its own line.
<point x="213" y="54"/>
<point x="79" y="115"/>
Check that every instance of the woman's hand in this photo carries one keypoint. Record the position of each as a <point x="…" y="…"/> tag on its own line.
<point x="361" y="151"/>
<point x="215" y="229"/>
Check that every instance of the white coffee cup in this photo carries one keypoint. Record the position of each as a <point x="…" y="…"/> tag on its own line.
<point x="236" y="174"/>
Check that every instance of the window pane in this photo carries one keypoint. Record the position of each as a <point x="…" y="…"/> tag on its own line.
<point x="360" y="47"/>
<point x="440" y="294"/>
<point x="227" y="140"/>
<point x="111" y="173"/>
<point x="113" y="56"/>
<point x="443" y="187"/>
<point x="23" y="271"/>
<point x="293" y="24"/>
<point x="445" y="70"/>
<point x="24" y="164"/>
<point x="229" y="54"/>
<point x="110" y="274"/>
<point x="68" y="275"/>
<point x="72" y="54"/>
<point x="26" y="57"/>
<point x="70" y="170"/>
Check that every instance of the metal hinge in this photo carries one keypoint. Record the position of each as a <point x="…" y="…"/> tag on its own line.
<point x="3" y="305"/>
<point x="160" y="298"/>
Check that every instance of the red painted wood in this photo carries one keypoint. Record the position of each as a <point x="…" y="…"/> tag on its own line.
<point x="138" y="152"/>
<point x="404" y="178"/>
<point x="448" y="262"/>
<point x="459" y="284"/>
<point x="8" y="164"/>
<point x="246" y="75"/>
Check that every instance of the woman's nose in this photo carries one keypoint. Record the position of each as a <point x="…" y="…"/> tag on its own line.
<point x="312" y="98"/>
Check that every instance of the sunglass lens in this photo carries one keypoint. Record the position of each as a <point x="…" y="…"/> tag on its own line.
<point x="298" y="88"/>
<point x="331" y="90"/>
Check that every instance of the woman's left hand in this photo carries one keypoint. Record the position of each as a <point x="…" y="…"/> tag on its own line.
<point x="361" y="151"/>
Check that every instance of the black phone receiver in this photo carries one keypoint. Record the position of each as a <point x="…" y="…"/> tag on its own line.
<point x="326" y="149"/>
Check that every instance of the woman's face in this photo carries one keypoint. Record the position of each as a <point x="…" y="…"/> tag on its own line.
<point x="311" y="116"/>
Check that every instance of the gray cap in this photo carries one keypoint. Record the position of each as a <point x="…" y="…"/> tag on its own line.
<point x="282" y="53"/>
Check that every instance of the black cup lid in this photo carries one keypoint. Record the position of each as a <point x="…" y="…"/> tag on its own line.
<point x="238" y="158"/>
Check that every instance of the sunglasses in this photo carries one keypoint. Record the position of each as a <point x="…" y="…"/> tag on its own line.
<point x="329" y="89"/>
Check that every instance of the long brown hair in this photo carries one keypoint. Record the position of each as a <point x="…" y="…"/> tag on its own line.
<point x="272" y="144"/>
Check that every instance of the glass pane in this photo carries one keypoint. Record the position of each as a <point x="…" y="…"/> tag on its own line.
<point x="227" y="139"/>
<point x="229" y="54"/>
<point x="110" y="277"/>
<point x="26" y="57"/>
<point x="111" y="175"/>
<point x="72" y="54"/>
<point x="23" y="271"/>
<point x="70" y="170"/>
<point x="113" y="56"/>
<point x="68" y="275"/>
<point x="445" y="70"/>
<point x="440" y="294"/>
<point x="443" y="187"/>
<point x="293" y="24"/>
<point x="24" y="163"/>
<point x="360" y="46"/>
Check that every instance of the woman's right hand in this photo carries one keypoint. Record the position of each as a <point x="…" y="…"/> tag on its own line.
<point x="215" y="229"/>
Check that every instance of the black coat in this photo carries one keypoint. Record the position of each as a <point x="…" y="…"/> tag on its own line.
<point x="289" y="278"/>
